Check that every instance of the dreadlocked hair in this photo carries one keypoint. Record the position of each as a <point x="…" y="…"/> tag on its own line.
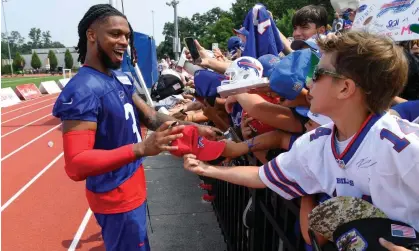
<point x="96" y="13"/>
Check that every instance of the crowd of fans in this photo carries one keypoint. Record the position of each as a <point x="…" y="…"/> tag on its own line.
<point x="267" y="122"/>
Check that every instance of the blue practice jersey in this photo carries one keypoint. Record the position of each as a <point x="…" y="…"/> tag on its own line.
<point x="107" y="100"/>
<point x="264" y="37"/>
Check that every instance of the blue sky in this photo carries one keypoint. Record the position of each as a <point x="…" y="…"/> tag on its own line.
<point x="62" y="17"/>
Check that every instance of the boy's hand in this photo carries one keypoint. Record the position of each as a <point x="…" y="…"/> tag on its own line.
<point x="194" y="165"/>
<point x="390" y="246"/>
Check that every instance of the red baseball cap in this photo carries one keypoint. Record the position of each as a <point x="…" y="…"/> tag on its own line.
<point x="193" y="143"/>
<point x="258" y="126"/>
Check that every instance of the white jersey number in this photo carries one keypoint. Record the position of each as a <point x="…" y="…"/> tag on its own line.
<point x="129" y="112"/>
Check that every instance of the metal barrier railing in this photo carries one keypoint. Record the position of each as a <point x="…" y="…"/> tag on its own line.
<point x="274" y="220"/>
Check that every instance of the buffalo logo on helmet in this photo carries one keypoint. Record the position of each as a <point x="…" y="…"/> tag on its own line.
<point x="248" y="65"/>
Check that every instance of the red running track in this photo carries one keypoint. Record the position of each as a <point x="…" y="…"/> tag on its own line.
<point x="42" y="209"/>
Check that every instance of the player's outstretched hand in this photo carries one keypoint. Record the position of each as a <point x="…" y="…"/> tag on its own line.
<point x="160" y="140"/>
<point x="390" y="246"/>
<point x="194" y="165"/>
<point x="209" y="132"/>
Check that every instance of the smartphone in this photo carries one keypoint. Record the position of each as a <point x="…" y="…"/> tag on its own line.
<point x="190" y="43"/>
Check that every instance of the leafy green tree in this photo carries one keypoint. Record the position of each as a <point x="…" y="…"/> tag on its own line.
<point x="285" y="23"/>
<point x="35" y="61"/>
<point x="68" y="59"/>
<point x="18" y="62"/>
<point x="5" y="69"/>
<point x="35" y="37"/>
<point x="219" y="33"/>
<point x="216" y="25"/>
<point x="46" y="39"/>
<point x="53" y="62"/>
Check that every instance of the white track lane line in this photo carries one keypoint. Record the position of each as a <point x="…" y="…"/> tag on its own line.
<point x="17" y="129"/>
<point x="26" y="113"/>
<point x="14" y="197"/>
<point x="28" y="105"/>
<point x="30" y="142"/>
<point x="80" y="231"/>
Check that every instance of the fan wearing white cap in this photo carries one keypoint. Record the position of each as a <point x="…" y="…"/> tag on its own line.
<point x="316" y="120"/>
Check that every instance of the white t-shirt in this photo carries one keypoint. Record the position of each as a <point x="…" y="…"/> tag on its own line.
<point x="381" y="161"/>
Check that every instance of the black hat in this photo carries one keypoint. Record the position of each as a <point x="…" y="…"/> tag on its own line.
<point x="363" y="234"/>
<point x="168" y="84"/>
<point x="355" y="224"/>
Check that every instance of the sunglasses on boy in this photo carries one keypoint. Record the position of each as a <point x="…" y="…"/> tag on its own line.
<point x="318" y="72"/>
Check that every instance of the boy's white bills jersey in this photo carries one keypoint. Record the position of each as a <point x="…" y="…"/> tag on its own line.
<point x="381" y="162"/>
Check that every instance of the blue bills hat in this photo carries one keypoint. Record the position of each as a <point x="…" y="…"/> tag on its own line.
<point x="292" y="73"/>
<point x="268" y="62"/>
<point x="206" y="83"/>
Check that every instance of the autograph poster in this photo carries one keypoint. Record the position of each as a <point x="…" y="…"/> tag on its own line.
<point x="388" y="17"/>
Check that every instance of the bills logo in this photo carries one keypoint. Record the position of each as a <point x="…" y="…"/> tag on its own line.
<point x="200" y="143"/>
<point x="297" y="86"/>
<point x="345" y="181"/>
<point x="248" y="65"/>
<point x="273" y="60"/>
<point x="121" y="95"/>
<point x="395" y="6"/>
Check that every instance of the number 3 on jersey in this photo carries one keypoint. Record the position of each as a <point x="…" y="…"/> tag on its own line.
<point x="129" y="112"/>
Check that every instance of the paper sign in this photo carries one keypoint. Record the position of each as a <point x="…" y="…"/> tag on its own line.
<point x="388" y="17"/>
<point x="49" y="87"/>
<point x="8" y="97"/>
<point x="28" y="91"/>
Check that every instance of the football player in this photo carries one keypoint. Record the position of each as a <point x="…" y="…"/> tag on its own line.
<point x="101" y="115"/>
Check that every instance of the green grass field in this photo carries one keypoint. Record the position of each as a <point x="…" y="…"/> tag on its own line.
<point x="12" y="82"/>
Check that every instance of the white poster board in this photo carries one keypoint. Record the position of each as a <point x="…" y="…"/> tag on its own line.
<point x="8" y="97"/>
<point x="49" y="87"/>
<point x="388" y="17"/>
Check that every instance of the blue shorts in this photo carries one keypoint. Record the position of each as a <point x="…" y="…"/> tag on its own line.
<point x="125" y="231"/>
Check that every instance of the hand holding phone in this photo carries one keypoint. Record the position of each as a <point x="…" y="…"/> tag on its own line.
<point x="193" y="50"/>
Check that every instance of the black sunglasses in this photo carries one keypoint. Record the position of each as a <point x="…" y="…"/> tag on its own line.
<point x="318" y="72"/>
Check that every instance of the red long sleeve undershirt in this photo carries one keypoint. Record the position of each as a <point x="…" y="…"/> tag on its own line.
<point x="81" y="160"/>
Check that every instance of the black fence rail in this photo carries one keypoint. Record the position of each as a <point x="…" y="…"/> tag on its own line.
<point x="272" y="221"/>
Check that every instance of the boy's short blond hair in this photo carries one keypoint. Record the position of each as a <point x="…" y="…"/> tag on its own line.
<point x="374" y="62"/>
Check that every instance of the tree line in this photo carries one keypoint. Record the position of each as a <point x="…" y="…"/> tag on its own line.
<point x="38" y="39"/>
<point x="215" y="25"/>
